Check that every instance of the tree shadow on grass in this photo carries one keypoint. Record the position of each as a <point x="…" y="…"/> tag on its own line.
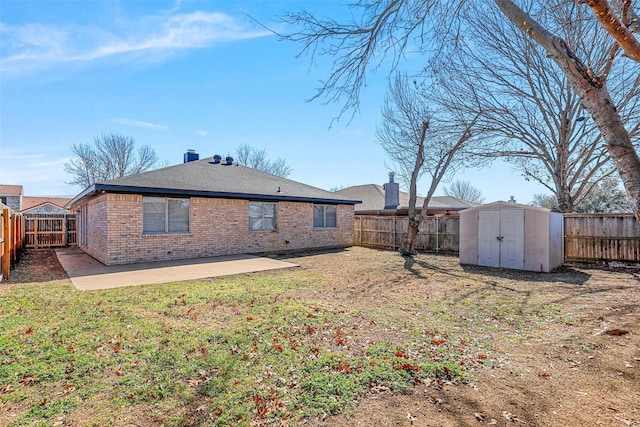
<point x="567" y="275"/>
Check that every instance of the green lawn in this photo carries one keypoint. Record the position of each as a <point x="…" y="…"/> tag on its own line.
<point x="224" y="351"/>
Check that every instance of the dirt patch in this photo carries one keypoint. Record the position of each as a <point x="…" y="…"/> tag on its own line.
<point x="553" y="349"/>
<point x="37" y="266"/>
<point x="561" y="348"/>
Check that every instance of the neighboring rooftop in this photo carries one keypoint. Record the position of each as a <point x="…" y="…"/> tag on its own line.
<point x="10" y="190"/>
<point x="29" y="202"/>
<point x="215" y="178"/>
<point x="373" y="199"/>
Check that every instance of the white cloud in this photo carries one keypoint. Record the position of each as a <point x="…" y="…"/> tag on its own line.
<point x="138" y="123"/>
<point x="201" y="132"/>
<point x="39" y="173"/>
<point x="36" y="47"/>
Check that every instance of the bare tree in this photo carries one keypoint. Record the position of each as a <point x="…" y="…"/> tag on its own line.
<point x="111" y="156"/>
<point x="606" y="197"/>
<point x="593" y="93"/>
<point x="388" y="27"/>
<point x="538" y="123"/>
<point x="257" y="159"/>
<point x="420" y="141"/>
<point x="463" y="190"/>
<point x="620" y="25"/>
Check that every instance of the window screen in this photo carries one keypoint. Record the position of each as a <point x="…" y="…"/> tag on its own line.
<point x="325" y="216"/>
<point x="263" y="216"/>
<point x="161" y="215"/>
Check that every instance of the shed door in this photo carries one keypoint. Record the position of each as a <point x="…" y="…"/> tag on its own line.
<point x="488" y="232"/>
<point x="512" y="241"/>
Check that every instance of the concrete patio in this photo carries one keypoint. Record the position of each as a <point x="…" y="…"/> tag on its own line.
<point x="86" y="273"/>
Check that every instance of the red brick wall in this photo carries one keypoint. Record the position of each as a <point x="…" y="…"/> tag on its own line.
<point x="217" y="227"/>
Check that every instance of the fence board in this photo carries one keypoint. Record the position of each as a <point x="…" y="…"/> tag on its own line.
<point x="434" y="235"/>
<point x="601" y="237"/>
<point x="11" y="240"/>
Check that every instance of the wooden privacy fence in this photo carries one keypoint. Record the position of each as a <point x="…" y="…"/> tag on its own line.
<point x="11" y="240"/>
<point x="436" y="234"/>
<point x="587" y="237"/>
<point x="47" y="231"/>
<point x="601" y="237"/>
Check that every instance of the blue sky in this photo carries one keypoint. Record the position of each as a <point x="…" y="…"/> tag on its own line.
<point x="179" y="75"/>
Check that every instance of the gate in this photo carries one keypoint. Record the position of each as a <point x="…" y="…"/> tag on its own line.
<point x="48" y="231"/>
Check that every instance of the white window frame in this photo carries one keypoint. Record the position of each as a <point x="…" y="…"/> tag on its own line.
<point x="265" y="220"/>
<point x="166" y="215"/>
<point x="324" y="217"/>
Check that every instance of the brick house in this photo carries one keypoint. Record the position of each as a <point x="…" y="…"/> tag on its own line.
<point x="207" y="207"/>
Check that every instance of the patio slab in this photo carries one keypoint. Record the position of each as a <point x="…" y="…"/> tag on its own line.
<point x="86" y="273"/>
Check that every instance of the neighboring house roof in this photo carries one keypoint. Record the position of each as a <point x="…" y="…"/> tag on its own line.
<point x="372" y="196"/>
<point x="10" y="190"/>
<point x="30" y="202"/>
<point x="204" y="178"/>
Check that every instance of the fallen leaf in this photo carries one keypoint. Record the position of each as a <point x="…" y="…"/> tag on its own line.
<point x="492" y="422"/>
<point x="27" y="380"/>
<point x="616" y="332"/>
<point x="479" y="416"/>
<point x="29" y="331"/>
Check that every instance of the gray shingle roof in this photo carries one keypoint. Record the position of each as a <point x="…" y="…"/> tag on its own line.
<point x="372" y="196"/>
<point x="206" y="179"/>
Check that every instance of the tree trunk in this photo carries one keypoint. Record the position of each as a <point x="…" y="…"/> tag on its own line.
<point x="410" y="238"/>
<point x="594" y="97"/>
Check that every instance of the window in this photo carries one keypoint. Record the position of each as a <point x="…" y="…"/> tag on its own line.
<point x="161" y="215"/>
<point x="263" y="216"/>
<point x="325" y="216"/>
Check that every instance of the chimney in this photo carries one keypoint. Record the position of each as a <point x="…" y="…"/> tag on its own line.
<point x="191" y="155"/>
<point x="391" y="193"/>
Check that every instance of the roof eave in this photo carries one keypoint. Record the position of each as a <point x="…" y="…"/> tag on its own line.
<point x="110" y="188"/>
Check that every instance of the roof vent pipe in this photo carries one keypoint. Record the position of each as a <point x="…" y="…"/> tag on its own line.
<point x="191" y="155"/>
<point x="216" y="159"/>
<point x="229" y="160"/>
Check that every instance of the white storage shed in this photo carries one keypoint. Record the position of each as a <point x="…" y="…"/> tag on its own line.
<point x="510" y="235"/>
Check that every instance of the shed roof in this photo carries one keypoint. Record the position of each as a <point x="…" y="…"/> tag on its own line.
<point x="204" y="178"/>
<point x="500" y="204"/>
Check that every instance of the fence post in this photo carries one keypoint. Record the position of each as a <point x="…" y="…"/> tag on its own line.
<point x="437" y="234"/>
<point x="6" y="222"/>
<point x="394" y="233"/>
<point x="35" y="232"/>
<point x="64" y="230"/>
